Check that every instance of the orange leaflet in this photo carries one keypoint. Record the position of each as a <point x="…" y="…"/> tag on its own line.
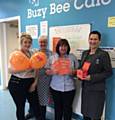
<point x="55" y="66"/>
<point x="62" y="66"/>
<point x="86" y="66"/>
<point x="80" y="74"/>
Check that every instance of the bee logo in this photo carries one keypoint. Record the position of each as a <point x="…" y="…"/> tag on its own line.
<point x="97" y="61"/>
<point x="34" y="2"/>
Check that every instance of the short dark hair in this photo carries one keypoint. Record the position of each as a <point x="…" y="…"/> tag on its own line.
<point x="95" y="32"/>
<point x="62" y="42"/>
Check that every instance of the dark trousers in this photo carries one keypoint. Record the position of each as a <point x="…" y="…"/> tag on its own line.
<point x="43" y="111"/>
<point x="19" y="90"/>
<point x="88" y="118"/>
<point x="63" y="104"/>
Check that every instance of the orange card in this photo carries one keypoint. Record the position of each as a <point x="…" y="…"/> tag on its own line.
<point x="65" y="66"/>
<point x="86" y="66"/>
<point x="62" y="66"/>
<point x="80" y="74"/>
<point x="55" y="66"/>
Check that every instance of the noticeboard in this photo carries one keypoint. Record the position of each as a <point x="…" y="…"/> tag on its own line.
<point x="77" y="36"/>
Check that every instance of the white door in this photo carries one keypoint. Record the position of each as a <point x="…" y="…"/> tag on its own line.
<point x="2" y="52"/>
<point x="9" y="41"/>
<point x="12" y="38"/>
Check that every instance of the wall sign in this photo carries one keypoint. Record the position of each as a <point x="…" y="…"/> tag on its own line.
<point x="57" y="8"/>
<point x="111" y="21"/>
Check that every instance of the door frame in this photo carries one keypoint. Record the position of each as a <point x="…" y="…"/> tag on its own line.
<point x="3" y="43"/>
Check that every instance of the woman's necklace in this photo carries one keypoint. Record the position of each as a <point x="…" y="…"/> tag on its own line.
<point x="27" y="53"/>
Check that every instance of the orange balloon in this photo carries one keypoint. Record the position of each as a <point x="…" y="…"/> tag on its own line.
<point x="38" y="60"/>
<point x="19" y="61"/>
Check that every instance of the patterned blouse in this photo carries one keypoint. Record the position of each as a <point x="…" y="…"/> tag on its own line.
<point x="44" y="83"/>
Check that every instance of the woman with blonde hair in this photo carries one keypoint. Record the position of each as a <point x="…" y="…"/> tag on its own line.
<point x="22" y="84"/>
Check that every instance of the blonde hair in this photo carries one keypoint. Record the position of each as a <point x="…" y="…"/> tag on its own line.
<point x="42" y="37"/>
<point x="25" y="35"/>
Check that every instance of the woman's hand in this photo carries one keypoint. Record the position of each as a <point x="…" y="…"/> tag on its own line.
<point x="50" y="72"/>
<point x="73" y="72"/>
<point x="88" y="78"/>
<point x="33" y="86"/>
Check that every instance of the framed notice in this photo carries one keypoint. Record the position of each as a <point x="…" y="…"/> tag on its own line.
<point x="32" y="30"/>
<point x="44" y="28"/>
<point x="111" y="51"/>
<point x="77" y="36"/>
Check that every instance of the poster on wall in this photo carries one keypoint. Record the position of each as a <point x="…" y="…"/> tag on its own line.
<point x="44" y="28"/>
<point x="77" y="36"/>
<point x="32" y="30"/>
<point x="55" y="41"/>
<point x="111" y="51"/>
<point x="111" y="21"/>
